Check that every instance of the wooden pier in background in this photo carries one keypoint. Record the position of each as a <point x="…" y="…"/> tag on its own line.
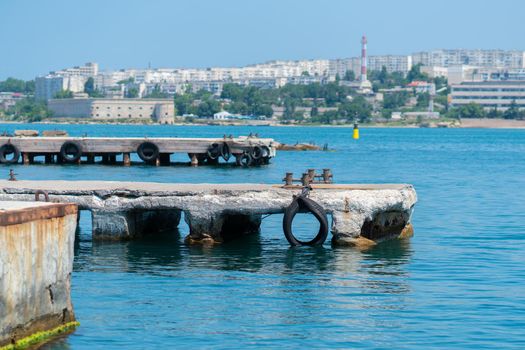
<point x="246" y="151"/>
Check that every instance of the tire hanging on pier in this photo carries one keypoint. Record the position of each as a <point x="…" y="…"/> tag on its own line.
<point x="71" y="151"/>
<point x="9" y="149"/>
<point x="244" y="159"/>
<point x="302" y="203"/>
<point x="225" y="152"/>
<point x="148" y="151"/>
<point x="214" y="151"/>
<point x="256" y="152"/>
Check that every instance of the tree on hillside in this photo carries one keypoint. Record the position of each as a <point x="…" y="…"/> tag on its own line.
<point x="89" y="88"/>
<point x="17" y="85"/>
<point x="30" y="110"/>
<point x="395" y="100"/>
<point x="349" y="75"/>
<point x="471" y="110"/>
<point x="513" y="112"/>
<point x="132" y="92"/>
<point x="64" y="94"/>
<point x="356" y="108"/>
<point x="415" y="74"/>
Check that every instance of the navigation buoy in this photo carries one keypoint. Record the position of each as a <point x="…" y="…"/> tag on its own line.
<point x="356" y="132"/>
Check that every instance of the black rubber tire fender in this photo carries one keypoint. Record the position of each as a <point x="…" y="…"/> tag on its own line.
<point x="256" y="152"/>
<point x="265" y="151"/>
<point x="214" y="151"/>
<point x="314" y="208"/>
<point x="225" y="151"/>
<point x="6" y="149"/>
<point x="244" y="160"/>
<point x="71" y="151"/>
<point x="148" y="151"/>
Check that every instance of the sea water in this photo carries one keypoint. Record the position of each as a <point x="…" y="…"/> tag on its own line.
<point x="459" y="283"/>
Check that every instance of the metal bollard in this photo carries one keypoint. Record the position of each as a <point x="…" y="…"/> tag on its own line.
<point x="327" y="176"/>
<point x="288" y="179"/>
<point x="39" y="192"/>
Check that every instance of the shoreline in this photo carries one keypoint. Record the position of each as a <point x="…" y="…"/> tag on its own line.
<point x="464" y="124"/>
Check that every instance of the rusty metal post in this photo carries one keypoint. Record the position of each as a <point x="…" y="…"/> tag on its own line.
<point x="305" y="179"/>
<point x="126" y="159"/>
<point x="38" y="193"/>
<point x="327" y="176"/>
<point x="288" y="179"/>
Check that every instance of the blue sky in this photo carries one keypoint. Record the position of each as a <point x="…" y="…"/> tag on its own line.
<point x="39" y="36"/>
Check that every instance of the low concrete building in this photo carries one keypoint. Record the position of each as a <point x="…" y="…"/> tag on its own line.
<point x="159" y="110"/>
<point x="489" y="94"/>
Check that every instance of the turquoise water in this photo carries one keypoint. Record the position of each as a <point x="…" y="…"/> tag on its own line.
<point x="459" y="283"/>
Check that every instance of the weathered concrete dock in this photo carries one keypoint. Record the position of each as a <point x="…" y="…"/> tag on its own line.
<point x="361" y="214"/>
<point x="36" y="261"/>
<point x="245" y="151"/>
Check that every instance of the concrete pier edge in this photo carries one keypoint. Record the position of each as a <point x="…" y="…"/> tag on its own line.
<point x="36" y="263"/>
<point x="362" y="214"/>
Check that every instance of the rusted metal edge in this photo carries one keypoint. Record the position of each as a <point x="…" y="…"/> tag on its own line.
<point x="21" y="216"/>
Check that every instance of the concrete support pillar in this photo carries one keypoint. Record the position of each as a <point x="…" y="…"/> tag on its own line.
<point x="49" y="158"/>
<point x="126" y="225"/>
<point x="112" y="158"/>
<point x="25" y="158"/>
<point x="351" y="229"/>
<point x="194" y="160"/>
<point x="211" y="228"/>
<point x="126" y="159"/>
<point x="90" y="159"/>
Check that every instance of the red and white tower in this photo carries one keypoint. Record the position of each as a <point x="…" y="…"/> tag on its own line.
<point x="363" y="59"/>
<point x="365" y="87"/>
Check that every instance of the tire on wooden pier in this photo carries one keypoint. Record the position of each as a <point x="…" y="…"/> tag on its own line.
<point x="71" y="151"/>
<point x="6" y="150"/>
<point x="245" y="159"/>
<point x="214" y="151"/>
<point x="256" y="152"/>
<point x="225" y="152"/>
<point x="148" y="151"/>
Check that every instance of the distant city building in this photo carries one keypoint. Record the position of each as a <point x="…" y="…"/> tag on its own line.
<point x="9" y="99"/>
<point x="159" y="110"/>
<point x="72" y="79"/>
<point x="392" y="63"/>
<point x="489" y="94"/>
<point x="481" y="58"/>
<point x="435" y="71"/>
<point x="422" y="87"/>
<point x="47" y="87"/>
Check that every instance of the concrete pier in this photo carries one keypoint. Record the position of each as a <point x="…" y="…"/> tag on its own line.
<point x="36" y="261"/>
<point x="361" y="214"/>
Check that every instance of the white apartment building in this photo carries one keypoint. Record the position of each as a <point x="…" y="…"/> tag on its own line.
<point x="481" y="58"/>
<point x="47" y="87"/>
<point x="342" y="65"/>
<point x="489" y="94"/>
<point x="393" y="63"/>
<point x="72" y="79"/>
